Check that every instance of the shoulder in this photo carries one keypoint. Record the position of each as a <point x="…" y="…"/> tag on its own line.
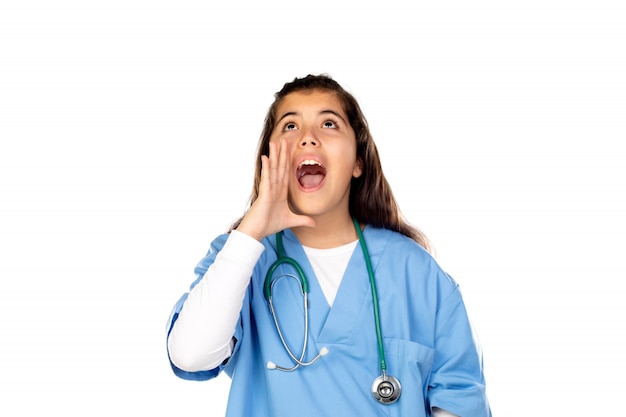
<point x="403" y="252"/>
<point x="396" y="244"/>
<point x="214" y="248"/>
<point x="238" y="240"/>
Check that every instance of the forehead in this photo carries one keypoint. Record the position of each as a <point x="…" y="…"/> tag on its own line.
<point x="313" y="100"/>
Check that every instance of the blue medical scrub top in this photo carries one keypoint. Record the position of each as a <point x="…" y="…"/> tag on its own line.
<point x="429" y="342"/>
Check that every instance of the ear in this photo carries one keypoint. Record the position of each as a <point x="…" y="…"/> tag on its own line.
<point x="358" y="168"/>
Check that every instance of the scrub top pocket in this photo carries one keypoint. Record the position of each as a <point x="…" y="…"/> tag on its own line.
<point x="411" y="363"/>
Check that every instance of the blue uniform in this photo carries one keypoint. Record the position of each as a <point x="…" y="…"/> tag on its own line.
<point x="428" y="340"/>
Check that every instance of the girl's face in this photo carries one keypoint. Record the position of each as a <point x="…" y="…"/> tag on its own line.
<point x="321" y="152"/>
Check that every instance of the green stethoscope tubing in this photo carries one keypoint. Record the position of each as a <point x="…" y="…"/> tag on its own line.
<point x="370" y="273"/>
<point x="386" y="388"/>
<point x="267" y="288"/>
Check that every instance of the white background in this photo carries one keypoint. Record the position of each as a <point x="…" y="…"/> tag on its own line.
<point x="127" y="140"/>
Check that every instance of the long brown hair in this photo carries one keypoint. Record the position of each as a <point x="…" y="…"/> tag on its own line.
<point x="371" y="199"/>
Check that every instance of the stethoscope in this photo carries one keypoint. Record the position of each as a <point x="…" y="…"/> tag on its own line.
<point x="385" y="388"/>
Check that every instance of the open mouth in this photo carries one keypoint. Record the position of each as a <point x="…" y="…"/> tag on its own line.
<point x="310" y="174"/>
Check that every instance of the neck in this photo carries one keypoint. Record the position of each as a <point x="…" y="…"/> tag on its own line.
<point x="328" y="233"/>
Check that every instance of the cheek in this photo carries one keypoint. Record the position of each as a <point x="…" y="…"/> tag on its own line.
<point x="356" y="164"/>
<point x="289" y="135"/>
<point x="351" y="168"/>
<point x="275" y="138"/>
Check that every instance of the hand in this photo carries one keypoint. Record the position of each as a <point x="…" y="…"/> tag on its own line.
<point x="270" y="212"/>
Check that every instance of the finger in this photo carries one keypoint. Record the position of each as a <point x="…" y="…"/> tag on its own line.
<point x="283" y="168"/>
<point x="265" y="171"/>
<point x="272" y="163"/>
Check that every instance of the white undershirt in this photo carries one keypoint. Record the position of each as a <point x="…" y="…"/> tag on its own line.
<point x="329" y="266"/>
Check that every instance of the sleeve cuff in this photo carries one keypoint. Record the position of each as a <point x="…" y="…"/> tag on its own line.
<point x="242" y="249"/>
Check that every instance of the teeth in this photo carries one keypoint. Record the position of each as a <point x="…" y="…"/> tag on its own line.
<point x="310" y="162"/>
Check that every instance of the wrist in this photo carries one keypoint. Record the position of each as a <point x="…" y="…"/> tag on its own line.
<point x="246" y="228"/>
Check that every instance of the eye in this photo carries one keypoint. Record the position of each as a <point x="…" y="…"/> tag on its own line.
<point x="330" y="124"/>
<point x="290" y="126"/>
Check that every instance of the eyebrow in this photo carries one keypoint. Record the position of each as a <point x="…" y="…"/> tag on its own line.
<point x="326" y="111"/>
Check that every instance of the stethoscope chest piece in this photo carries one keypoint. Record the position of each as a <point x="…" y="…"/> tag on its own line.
<point x="386" y="389"/>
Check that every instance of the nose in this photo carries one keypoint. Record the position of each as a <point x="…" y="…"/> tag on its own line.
<point x="309" y="139"/>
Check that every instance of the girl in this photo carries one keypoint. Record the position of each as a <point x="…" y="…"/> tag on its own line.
<point x="385" y="331"/>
